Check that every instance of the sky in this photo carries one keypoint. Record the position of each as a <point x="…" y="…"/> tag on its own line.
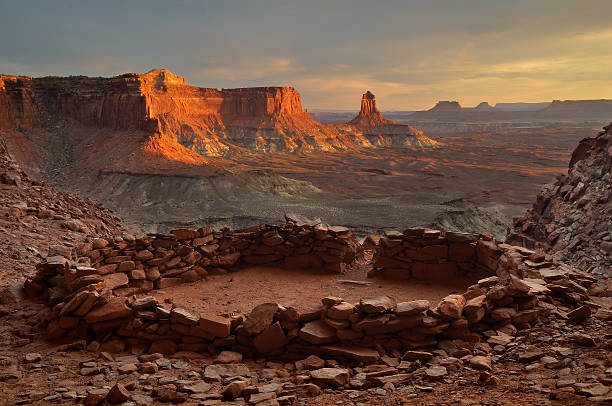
<point x="409" y="53"/>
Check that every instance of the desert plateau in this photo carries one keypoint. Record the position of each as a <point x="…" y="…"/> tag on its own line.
<point x="305" y="203"/>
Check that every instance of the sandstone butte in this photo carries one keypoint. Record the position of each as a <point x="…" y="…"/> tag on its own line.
<point x="188" y="123"/>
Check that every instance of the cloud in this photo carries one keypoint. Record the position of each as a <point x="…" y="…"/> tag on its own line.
<point x="243" y="68"/>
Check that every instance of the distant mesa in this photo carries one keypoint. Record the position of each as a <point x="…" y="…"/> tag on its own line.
<point x="579" y="108"/>
<point x="484" y="106"/>
<point x="446" y="106"/>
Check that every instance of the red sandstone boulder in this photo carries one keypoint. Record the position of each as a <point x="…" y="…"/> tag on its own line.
<point x="116" y="308"/>
<point x="378" y="304"/>
<point x="271" y="339"/>
<point x="412" y="308"/>
<point x="216" y="325"/>
<point x="260" y="318"/>
<point x="452" y="306"/>
<point x="331" y="376"/>
<point x="317" y="332"/>
<point x="115" y="280"/>
<point x="341" y="311"/>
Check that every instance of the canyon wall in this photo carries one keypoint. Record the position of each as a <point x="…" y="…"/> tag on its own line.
<point x="17" y="106"/>
<point x="209" y="121"/>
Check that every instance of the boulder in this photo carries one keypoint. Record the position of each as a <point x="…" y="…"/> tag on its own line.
<point x="341" y="311"/>
<point x="452" y="306"/>
<point x="118" y="394"/>
<point x="411" y="308"/>
<point x="115" y="280"/>
<point x="378" y="304"/>
<point x="331" y="376"/>
<point x="234" y="389"/>
<point x="260" y="318"/>
<point x="271" y="339"/>
<point x="228" y="357"/>
<point x="317" y="332"/>
<point x="116" y="308"/>
<point x="216" y="325"/>
<point x="580" y="313"/>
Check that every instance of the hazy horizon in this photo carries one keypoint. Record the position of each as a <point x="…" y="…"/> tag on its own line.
<point x="410" y="54"/>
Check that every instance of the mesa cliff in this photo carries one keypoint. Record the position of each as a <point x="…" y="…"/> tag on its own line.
<point x="208" y="121"/>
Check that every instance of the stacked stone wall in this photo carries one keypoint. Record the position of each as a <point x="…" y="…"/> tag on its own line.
<point x="491" y="311"/>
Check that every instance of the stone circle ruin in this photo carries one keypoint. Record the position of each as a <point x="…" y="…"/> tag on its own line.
<point x="92" y="295"/>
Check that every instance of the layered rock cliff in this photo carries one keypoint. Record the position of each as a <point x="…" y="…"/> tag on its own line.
<point x="578" y="109"/>
<point x="572" y="217"/>
<point x="209" y="121"/>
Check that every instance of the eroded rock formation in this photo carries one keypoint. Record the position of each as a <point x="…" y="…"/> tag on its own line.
<point x="209" y="121"/>
<point x="572" y="218"/>
<point x="381" y="131"/>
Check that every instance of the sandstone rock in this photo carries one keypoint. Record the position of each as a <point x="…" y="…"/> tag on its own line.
<point x="148" y="368"/>
<point x="580" y="313"/>
<point x="341" y="311"/>
<point x="594" y="389"/>
<point x="115" y="280"/>
<point x="584" y="340"/>
<point x="94" y="399"/>
<point x="32" y="357"/>
<point x="530" y="355"/>
<point x="317" y="332"/>
<point x="234" y="389"/>
<point x="163" y="283"/>
<point x="98" y="243"/>
<point x="127" y="369"/>
<point x="182" y="316"/>
<point x="452" y="306"/>
<point x="310" y="363"/>
<point x="260" y="318"/>
<point x="412" y="308"/>
<point x="228" y="357"/>
<point x="216" y="325"/>
<point x="331" y="376"/>
<point x="436" y="373"/>
<point x="193" y="387"/>
<point x="355" y="353"/>
<point x="118" y="394"/>
<point x="417" y="356"/>
<point x="116" y="308"/>
<point x="170" y="395"/>
<point x="218" y="371"/>
<point x="271" y="339"/>
<point x="481" y="362"/>
<point x="258" y="398"/>
<point x="378" y="304"/>
<point x="439" y="272"/>
<point x="144" y="303"/>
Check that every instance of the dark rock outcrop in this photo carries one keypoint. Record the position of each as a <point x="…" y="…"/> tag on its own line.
<point x="572" y="218"/>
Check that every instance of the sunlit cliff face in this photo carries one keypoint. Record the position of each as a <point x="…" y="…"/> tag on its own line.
<point x="191" y="122"/>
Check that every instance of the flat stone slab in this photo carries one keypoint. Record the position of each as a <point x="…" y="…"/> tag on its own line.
<point x="317" y="332"/>
<point x="361" y="354"/>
